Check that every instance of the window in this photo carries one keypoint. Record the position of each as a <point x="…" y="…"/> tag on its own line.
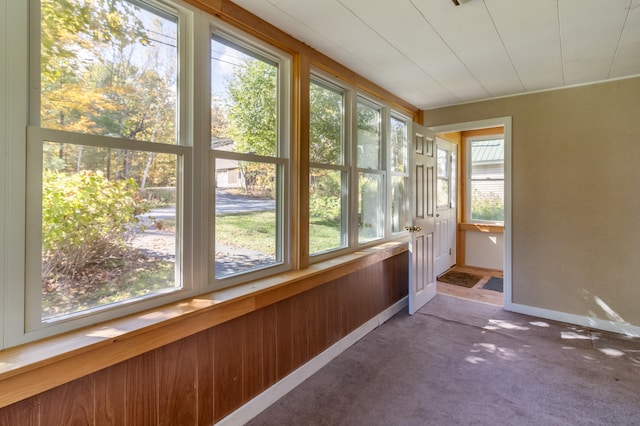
<point x="249" y="149"/>
<point x="399" y="172"/>
<point x="106" y="160"/>
<point x="486" y="179"/>
<point x="328" y="173"/>
<point x="443" y="178"/>
<point x="120" y="176"/>
<point x="371" y="181"/>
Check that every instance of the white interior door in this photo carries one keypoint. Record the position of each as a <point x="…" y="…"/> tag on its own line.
<point x="422" y="278"/>
<point x="445" y="220"/>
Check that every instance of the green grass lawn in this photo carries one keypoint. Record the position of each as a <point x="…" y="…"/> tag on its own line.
<point x="253" y="231"/>
<point x="323" y="235"/>
<point x="257" y="230"/>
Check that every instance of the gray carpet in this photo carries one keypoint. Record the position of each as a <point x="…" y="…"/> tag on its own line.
<point x="458" y="362"/>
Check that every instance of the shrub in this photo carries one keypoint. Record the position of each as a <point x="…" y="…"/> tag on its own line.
<point x="86" y="220"/>
<point x="325" y="207"/>
<point x="487" y="206"/>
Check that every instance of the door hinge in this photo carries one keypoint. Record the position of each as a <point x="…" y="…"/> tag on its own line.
<point x="449" y="252"/>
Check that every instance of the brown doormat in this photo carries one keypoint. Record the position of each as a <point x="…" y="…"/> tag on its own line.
<point x="463" y="279"/>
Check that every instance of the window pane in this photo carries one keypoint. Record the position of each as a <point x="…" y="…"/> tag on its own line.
<point x="487" y="200"/>
<point x="108" y="226"/>
<point x="370" y="207"/>
<point x="244" y="100"/>
<point x="487" y="159"/>
<point x="454" y="179"/>
<point x="442" y="193"/>
<point x="398" y="146"/>
<point x="399" y="203"/>
<point x="487" y="180"/>
<point x="369" y="137"/>
<point x="326" y="125"/>
<point x="442" y="163"/>
<point x="442" y="190"/>
<point x="246" y="225"/>
<point x="326" y="225"/>
<point x="109" y="68"/>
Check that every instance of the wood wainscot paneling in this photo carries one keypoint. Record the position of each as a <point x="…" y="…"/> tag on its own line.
<point x="200" y="379"/>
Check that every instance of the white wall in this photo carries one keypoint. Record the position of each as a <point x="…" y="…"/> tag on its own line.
<point x="484" y="250"/>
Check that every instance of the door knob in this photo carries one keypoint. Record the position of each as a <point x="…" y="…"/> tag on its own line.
<point x="413" y="228"/>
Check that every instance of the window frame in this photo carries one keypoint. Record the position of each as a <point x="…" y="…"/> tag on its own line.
<point x="381" y="171"/>
<point x="32" y="326"/>
<point x="392" y="173"/>
<point x="321" y="79"/>
<point x="281" y="160"/>
<point x="469" y="178"/>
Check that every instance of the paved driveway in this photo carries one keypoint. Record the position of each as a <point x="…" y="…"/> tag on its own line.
<point x="226" y="203"/>
<point x="232" y="203"/>
<point x="160" y="243"/>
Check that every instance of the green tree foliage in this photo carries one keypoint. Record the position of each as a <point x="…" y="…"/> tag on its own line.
<point x="252" y="112"/>
<point x="368" y="120"/>
<point x="101" y="74"/>
<point x="325" y="125"/>
<point x="252" y="120"/>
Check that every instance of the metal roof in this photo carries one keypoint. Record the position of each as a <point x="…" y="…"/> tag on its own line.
<point x="487" y="151"/>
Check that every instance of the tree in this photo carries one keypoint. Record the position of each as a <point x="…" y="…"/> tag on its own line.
<point x="368" y="120"/>
<point x="252" y="118"/>
<point x="325" y="127"/>
<point x="252" y="111"/>
<point x="102" y="75"/>
<point x="325" y="147"/>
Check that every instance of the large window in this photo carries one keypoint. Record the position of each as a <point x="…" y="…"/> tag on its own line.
<point x="157" y="164"/>
<point x="486" y="179"/>
<point x="328" y="173"/>
<point x="249" y="149"/>
<point x="106" y="159"/>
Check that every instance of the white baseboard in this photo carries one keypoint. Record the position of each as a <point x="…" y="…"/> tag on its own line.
<point x="258" y="404"/>
<point x="596" y="323"/>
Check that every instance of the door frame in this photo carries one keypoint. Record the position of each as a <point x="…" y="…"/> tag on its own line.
<point x="505" y="122"/>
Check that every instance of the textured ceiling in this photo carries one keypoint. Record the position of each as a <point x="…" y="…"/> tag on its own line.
<point x="432" y="53"/>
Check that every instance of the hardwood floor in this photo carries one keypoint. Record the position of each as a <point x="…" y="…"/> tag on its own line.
<point x="476" y="292"/>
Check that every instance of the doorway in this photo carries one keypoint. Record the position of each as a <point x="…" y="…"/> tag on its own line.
<point x="456" y="214"/>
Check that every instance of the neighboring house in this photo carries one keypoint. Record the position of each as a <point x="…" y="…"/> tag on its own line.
<point x="228" y="174"/>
